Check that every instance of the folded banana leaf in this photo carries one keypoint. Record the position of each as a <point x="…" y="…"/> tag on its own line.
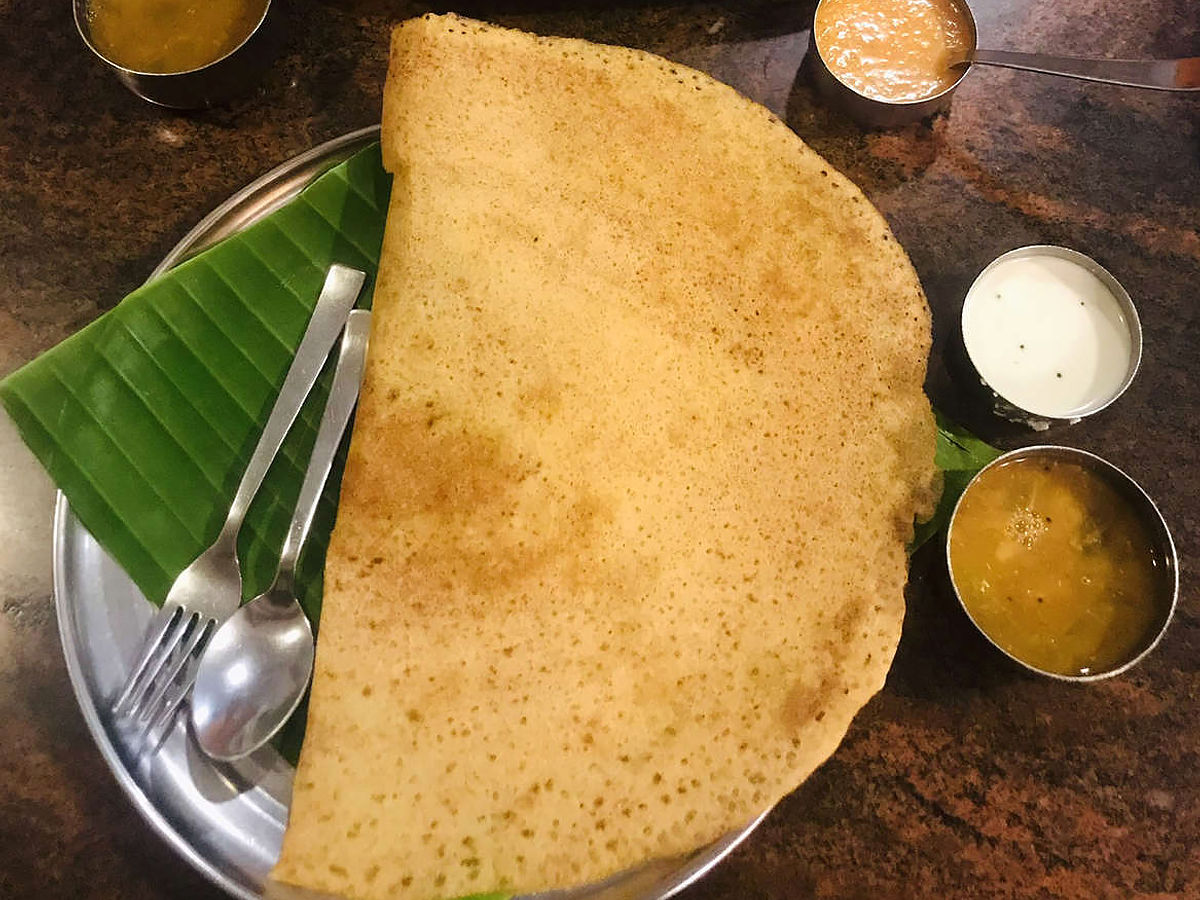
<point x="147" y="417"/>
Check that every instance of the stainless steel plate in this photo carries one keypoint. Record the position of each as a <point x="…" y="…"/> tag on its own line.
<point x="228" y="820"/>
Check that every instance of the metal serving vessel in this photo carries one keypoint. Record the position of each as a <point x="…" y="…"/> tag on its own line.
<point x="227" y="820"/>
<point x="1154" y="74"/>
<point x="1166" y="558"/>
<point x="222" y="79"/>
<point x="879" y="113"/>
<point x="1006" y="408"/>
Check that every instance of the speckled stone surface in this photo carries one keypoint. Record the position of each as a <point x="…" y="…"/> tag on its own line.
<point x="965" y="777"/>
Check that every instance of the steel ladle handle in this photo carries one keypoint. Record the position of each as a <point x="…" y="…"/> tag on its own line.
<point x="343" y="396"/>
<point x="1155" y="74"/>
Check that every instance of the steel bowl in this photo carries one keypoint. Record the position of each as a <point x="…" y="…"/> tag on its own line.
<point x="1166" y="560"/>
<point x="1013" y="412"/>
<point x="870" y="111"/>
<point x="222" y="79"/>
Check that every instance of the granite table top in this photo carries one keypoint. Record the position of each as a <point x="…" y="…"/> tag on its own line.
<point x="965" y="777"/>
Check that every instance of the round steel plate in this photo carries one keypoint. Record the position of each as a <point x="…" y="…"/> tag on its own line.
<point x="228" y="820"/>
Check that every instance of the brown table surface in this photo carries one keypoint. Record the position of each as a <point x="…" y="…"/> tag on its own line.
<point x="965" y="776"/>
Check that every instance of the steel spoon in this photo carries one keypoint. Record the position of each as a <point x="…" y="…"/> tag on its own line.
<point x="257" y="666"/>
<point x="1156" y="74"/>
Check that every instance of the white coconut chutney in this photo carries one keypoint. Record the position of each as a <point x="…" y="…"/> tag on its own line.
<point x="1047" y="334"/>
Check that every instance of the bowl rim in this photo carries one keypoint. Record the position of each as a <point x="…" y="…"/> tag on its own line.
<point x="80" y="11"/>
<point x="1137" y="494"/>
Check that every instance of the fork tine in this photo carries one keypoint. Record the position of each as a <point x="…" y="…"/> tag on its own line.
<point x="161" y="661"/>
<point x="195" y="629"/>
<point x="158" y="636"/>
<point x="171" y="702"/>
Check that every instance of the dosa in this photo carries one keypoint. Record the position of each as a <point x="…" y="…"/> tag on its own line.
<point x="620" y="548"/>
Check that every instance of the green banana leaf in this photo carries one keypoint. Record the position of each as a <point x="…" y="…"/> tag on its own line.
<point x="959" y="455"/>
<point x="146" y="418"/>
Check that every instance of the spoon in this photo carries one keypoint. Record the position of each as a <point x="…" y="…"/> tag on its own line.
<point x="1156" y="74"/>
<point x="257" y="665"/>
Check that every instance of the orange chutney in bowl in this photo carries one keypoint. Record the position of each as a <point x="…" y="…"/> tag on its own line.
<point x="894" y="50"/>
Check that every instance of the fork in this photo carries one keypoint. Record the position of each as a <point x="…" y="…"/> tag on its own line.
<point x="210" y="589"/>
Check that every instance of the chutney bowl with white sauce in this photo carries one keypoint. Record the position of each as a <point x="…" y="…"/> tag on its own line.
<point x="1051" y="334"/>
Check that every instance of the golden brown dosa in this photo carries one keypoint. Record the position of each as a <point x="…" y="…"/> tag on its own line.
<point x="621" y="542"/>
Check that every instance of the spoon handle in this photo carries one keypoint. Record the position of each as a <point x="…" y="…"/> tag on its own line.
<point x="347" y="378"/>
<point x="1156" y="74"/>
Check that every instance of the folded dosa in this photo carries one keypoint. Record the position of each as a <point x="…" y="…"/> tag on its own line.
<point x="620" y="549"/>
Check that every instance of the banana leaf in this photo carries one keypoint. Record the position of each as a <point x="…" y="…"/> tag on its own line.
<point x="145" y="419"/>
<point x="959" y="455"/>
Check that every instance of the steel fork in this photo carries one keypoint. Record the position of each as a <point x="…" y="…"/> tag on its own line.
<point x="210" y="589"/>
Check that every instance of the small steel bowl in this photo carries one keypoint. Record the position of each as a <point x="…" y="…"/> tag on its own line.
<point x="870" y="111"/>
<point x="208" y="85"/>
<point x="1164" y="548"/>
<point x="1004" y="406"/>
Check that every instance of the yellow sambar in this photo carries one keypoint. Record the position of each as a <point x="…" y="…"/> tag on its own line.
<point x="1057" y="567"/>
<point x="169" y="36"/>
